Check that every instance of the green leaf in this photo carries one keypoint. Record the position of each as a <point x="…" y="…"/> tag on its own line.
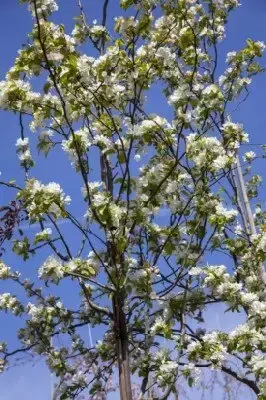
<point x="190" y="381"/>
<point x="47" y="87"/>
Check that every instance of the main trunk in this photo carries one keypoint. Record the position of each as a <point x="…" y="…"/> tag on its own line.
<point x="122" y="349"/>
<point x="120" y="326"/>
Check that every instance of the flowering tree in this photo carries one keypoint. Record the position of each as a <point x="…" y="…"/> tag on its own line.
<point x="144" y="281"/>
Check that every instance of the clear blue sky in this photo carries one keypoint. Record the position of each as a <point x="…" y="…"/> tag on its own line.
<point x="33" y="383"/>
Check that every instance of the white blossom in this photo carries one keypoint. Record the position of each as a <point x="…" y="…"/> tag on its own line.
<point x="42" y="7"/>
<point x="5" y="271"/>
<point x="51" y="270"/>
<point x="249" y="156"/>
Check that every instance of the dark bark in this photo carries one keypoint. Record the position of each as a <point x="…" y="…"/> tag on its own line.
<point x="121" y="333"/>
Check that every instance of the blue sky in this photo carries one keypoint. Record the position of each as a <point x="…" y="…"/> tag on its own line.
<point x="29" y="382"/>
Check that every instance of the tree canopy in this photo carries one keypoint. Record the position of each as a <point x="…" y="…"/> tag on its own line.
<point x="156" y="199"/>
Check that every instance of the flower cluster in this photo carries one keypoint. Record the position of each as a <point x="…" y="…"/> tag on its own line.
<point x="211" y="347"/>
<point x="54" y="270"/>
<point x="41" y="7"/>
<point x="77" y="145"/>
<point x="13" y="94"/>
<point x="9" y="302"/>
<point x="207" y="153"/>
<point x="5" y="271"/>
<point x="42" y="236"/>
<point x="24" y="153"/>
<point x="233" y="135"/>
<point x="249" y="156"/>
<point x="40" y="199"/>
<point x="166" y="369"/>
